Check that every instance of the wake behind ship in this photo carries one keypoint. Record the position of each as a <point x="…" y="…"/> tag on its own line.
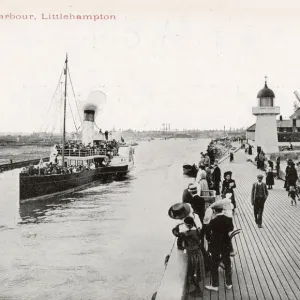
<point x="74" y="165"/>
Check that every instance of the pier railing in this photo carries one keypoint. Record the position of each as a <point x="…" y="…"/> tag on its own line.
<point x="20" y="164"/>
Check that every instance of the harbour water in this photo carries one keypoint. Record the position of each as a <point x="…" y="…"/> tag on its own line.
<point x="106" y="242"/>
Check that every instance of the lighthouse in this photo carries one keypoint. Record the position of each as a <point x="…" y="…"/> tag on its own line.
<point x="88" y="126"/>
<point x="266" y="127"/>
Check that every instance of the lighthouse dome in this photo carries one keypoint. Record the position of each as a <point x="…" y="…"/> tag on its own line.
<point x="266" y="93"/>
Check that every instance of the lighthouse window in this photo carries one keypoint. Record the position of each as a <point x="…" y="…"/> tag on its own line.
<point x="266" y="102"/>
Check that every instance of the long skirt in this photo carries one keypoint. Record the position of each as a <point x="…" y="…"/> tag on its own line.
<point x="196" y="265"/>
<point x="202" y="186"/>
<point x="270" y="178"/>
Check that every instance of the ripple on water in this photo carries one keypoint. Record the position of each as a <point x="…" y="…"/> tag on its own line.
<point x="106" y="242"/>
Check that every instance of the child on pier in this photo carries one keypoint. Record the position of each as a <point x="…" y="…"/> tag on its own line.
<point x="293" y="193"/>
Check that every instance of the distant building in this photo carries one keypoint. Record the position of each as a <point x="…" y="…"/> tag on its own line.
<point x="287" y="130"/>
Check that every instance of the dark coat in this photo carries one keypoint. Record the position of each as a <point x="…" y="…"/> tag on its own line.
<point x="291" y="175"/>
<point x="270" y="178"/>
<point x="253" y="192"/>
<point x="227" y="189"/>
<point x="250" y="150"/>
<point x="217" y="233"/>
<point x="216" y="175"/>
<point x="271" y="164"/>
<point x="187" y="197"/>
<point x="198" y="205"/>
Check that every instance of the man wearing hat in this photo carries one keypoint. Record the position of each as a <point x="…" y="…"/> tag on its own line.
<point x="217" y="233"/>
<point x="259" y="195"/>
<point x="198" y="203"/>
<point x="180" y="211"/>
<point x="187" y="196"/>
<point x="216" y="178"/>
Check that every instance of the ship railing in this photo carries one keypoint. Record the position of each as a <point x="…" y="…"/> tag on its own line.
<point x="87" y="152"/>
<point x="82" y="152"/>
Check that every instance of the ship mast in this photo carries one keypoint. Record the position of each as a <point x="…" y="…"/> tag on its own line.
<point x="65" y="108"/>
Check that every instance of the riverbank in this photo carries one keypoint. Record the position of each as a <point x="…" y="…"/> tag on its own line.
<point x="23" y="153"/>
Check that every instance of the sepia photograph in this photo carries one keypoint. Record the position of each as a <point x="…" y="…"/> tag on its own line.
<point x="149" y="150"/>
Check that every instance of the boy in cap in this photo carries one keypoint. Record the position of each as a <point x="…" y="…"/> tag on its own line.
<point x="259" y="195"/>
<point x="220" y="246"/>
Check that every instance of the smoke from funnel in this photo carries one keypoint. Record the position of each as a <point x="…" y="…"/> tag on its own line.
<point x="95" y="102"/>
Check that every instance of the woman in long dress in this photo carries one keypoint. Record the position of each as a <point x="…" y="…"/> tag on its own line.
<point x="201" y="181"/>
<point x="195" y="252"/>
<point x="228" y="186"/>
<point x="270" y="178"/>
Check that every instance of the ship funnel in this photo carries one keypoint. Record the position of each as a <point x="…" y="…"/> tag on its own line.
<point x="90" y="108"/>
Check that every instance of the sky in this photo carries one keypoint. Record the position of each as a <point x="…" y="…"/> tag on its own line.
<point x="193" y="64"/>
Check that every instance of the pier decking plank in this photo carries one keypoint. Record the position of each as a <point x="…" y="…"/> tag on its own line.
<point x="267" y="264"/>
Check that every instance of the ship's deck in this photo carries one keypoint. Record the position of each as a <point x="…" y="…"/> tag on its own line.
<point x="267" y="264"/>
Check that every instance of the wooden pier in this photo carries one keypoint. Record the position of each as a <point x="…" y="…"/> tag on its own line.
<point x="20" y="164"/>
<point x="267" y="264"/>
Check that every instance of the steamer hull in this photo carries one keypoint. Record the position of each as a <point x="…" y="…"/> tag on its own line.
<point x="42" y="187"/>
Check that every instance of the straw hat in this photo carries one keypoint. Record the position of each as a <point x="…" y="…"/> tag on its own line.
<point x="192" y="188"/>
<point x="179" y="211"/>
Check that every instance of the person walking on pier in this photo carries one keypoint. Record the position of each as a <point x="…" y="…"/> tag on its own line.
<point x="250" y="150"/>
<point x="291" y="176"/>
<point x="216" y="178"/>
<point x="217" y="233"/>
<point x="277" y="166"/>
<point x="259" y="195"/>
<point x="231" y="157"/>
<point x="270" y="178"/>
